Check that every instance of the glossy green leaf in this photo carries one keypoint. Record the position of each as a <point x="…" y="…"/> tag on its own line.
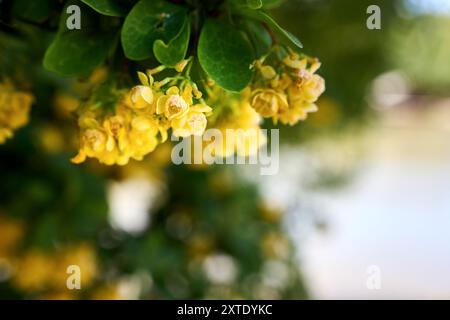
<point x="259" y="36"/>
<point x="78" y="52"/>
<point x="106" y="7"/>
<point x="173" y="52"/>
<point x="148" y="21"/>
<point x="226" y="55"/>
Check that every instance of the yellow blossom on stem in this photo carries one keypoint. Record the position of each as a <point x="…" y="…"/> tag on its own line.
<point x="141" y="96"/>
<point x="268" y="102"/>
<point x="141" y="119"/>
<point x="309" y="88"/>
<point x="289" y="96"/>
<point x="172" y="105"/>
<point x="194" y="123"/>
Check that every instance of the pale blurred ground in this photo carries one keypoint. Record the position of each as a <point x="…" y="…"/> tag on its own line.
<point x="395" y="214"/>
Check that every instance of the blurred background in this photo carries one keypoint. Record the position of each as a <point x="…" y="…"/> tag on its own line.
<point x="359" y="209"/>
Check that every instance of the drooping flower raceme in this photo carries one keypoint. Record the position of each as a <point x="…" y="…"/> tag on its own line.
<point x="288" y="92"/>
<point x="141" y="120"/>
<point x="143" y="116"/>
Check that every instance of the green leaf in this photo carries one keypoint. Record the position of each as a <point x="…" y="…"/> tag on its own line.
<point x="75" y="53"/>
<point x="148" y="21"/>
<point x="226" y="55"/>
<point x="254" y="4"/>
<point x="259" y="36"/>
<point x="172" y="53"/>
<point x="285" y="35"/>
<point x="106" y="7"/>
<point x="78" y="52"/>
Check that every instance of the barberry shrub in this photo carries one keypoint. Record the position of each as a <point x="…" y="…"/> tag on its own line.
<point x="184" y="54"/>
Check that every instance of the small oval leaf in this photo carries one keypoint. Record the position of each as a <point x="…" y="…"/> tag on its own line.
<point x="225" y="55"/>
<point x="172" y="53"/>
<point x="148" y="21"/>
<point x="78" y="52"/>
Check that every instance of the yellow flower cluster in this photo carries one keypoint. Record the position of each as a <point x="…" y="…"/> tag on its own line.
<point x="114" y="138"/>
<point x="131" y="131"/>
<point x="37" y="270"/>
<point x="14" y="109"/>
<point x="289" y="94"/>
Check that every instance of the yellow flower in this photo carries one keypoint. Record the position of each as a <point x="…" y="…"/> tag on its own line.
<point x="281" y="83"/>
<point x="181" y="65"/>
<point x="293" y="61"/>
<point x="140" y="121"/>
<point x="14" y="110"/>
<point x="95" y="140"/>
<point x="309" y="88"/>
<point x="290" y="95"/>
<point x="172" y="105"/>
<point x="95" y="143"/>
<point x="124" y="135"/>
<point x="194" y="123"/>
<point x="116" y="128"/>
<point x="143" y="137"/>
<point x="267" y="102"/>
<point x="141" y="97"/>
<point x="246" y="116"/>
